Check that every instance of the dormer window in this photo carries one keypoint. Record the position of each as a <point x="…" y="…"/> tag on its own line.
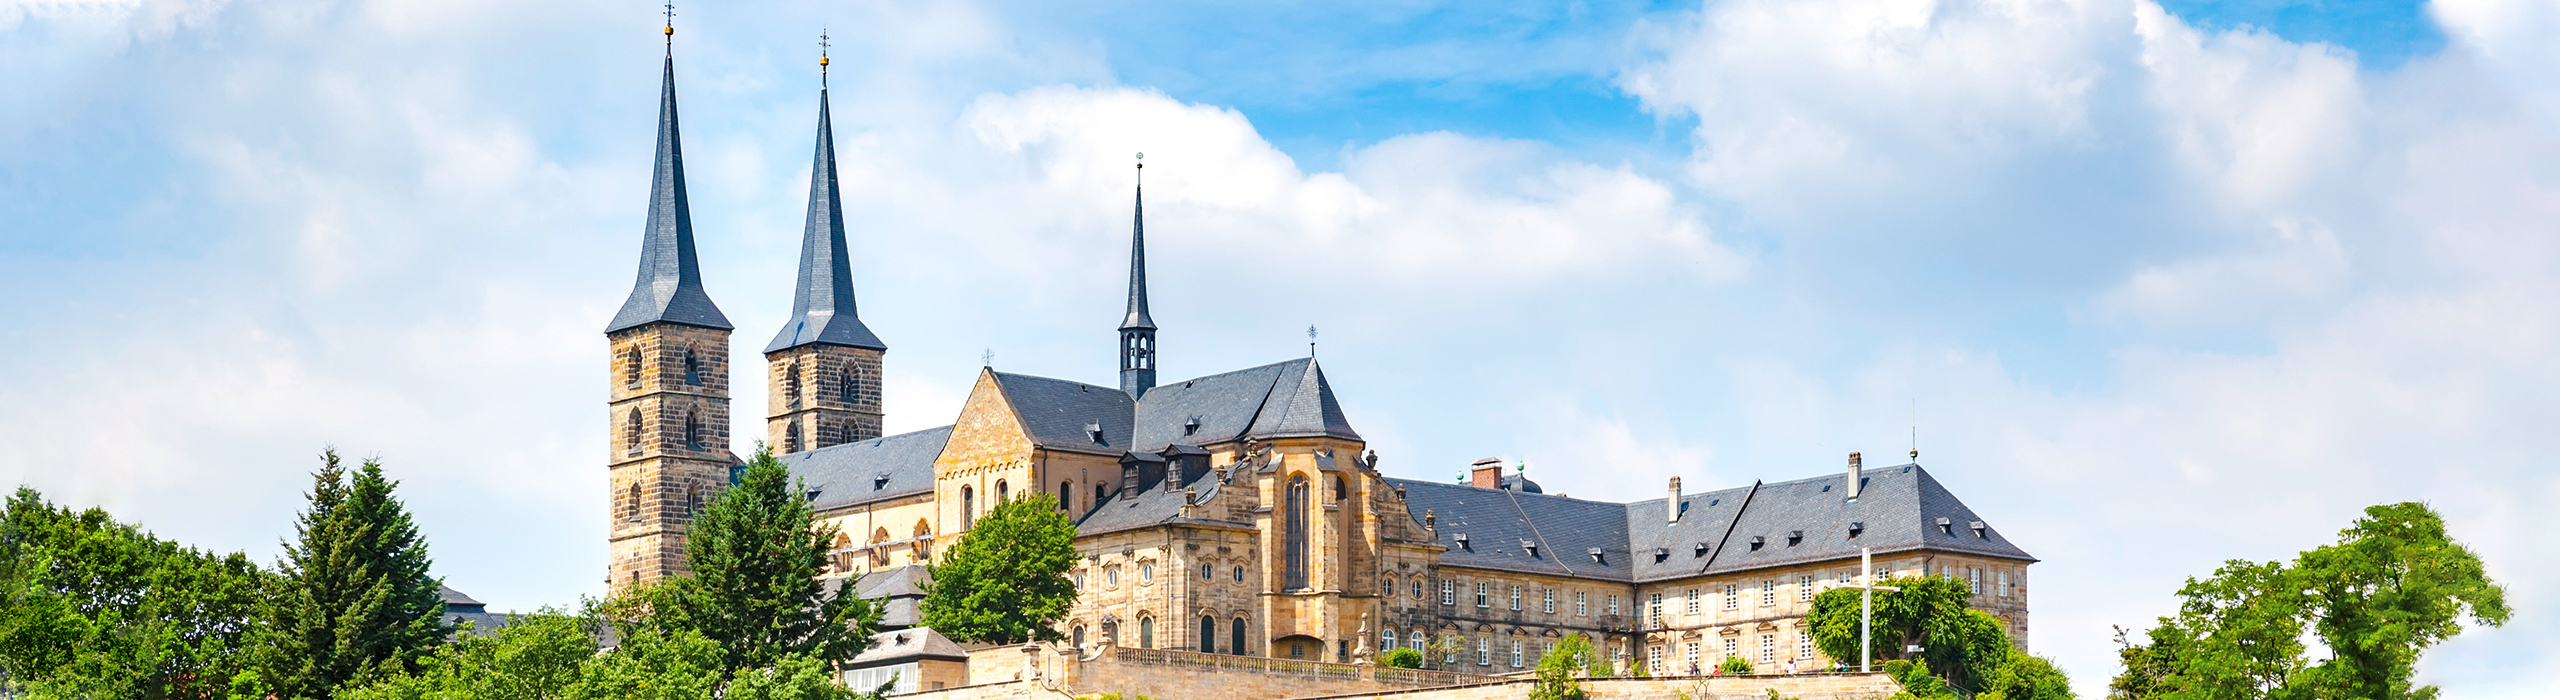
<point x="1461" y="539"/>
<point x="1794" y="536"/>
<point x="1660" y="554"/>
<point x="1530" y="547"/>
<point x="1980" y="530"/>
<point x="1946" y="526"/>
<point x="1598" y="557"/>
<point x="1856" y="527"/>
<point x="879" y="481"/>
<point x="1191" y="427"/>
<point x="1094" y="431"/>
<point x="1756" y="541"/>
<point x="1700" y="550"/>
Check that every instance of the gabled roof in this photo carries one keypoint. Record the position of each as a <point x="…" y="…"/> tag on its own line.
<point x="1899" y="509"/>
<point x="869" y="471"/>
<point x="669" y="289"/>
<point x="1055" y="412"/>
<point x="822" y="308"/>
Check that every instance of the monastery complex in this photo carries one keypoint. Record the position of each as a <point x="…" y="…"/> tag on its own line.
<point x="1227" y="522"/>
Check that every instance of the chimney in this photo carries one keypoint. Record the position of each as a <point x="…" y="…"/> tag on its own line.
<point x="1854" y="475"/>
<point x="1674" y="506"/>
<point x="1487" y="473"/>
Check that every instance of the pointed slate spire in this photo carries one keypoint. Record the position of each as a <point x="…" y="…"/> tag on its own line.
<point x="1137" y="330"/>
<point x="670" y="286"/>
<point x="822" y="309"/>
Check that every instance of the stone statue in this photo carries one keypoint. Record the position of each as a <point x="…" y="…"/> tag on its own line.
<point x="1360" y="653"/>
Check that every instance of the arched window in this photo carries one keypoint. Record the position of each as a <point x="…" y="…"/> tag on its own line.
<point x="849" y="384"/>
<point x="692" y="367"/>
<point x="1235" y="637"/>
<point x="1003" y="491"/>
<point x="1208" y="635"/>
<point x="968" y="507"/>
<point x="631" y="503"/>
<point x="792" y="385"/>
<point x="1099" y="494"/>
<point x="631" y="369"/>
<point x="924" y="542"/>
<point x="692" y="429"/>
<point x="879" y="554"/>
<point x="1340" y="492"/>
<point x="1066" y="495"/>
<point x="631" y="433"/>
<point x="1419" y="642"/>
<point x="791" y="437"/>
<point x="1298" y="505"/>
<point x="1208" y="572"/>
<point x="1387" y="639"/>
<point x="692" y="500"/>
<point x="1146" y="632"/>
<point x="1239" y="573"/>
<point x="1078" y="636"/>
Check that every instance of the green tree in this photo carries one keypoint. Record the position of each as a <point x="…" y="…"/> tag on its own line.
<point x="1734" y="666"/>
<point x="2027" y="678"/>
<point x="1401" y="658"/>
<point x="354" y="599"/>
<point x="793" y="677"/>
<point x="1962" y="644"/>
<point x="538" y="656"/>
<point x="90" y="607"/>
<point x="1558" y="670"/>
<point x="754" y="589"/>
<point x="1005" y="581"/>
<point x="2395" y="584"/>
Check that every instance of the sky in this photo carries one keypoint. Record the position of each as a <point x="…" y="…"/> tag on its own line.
<point x="2150" y="285"/>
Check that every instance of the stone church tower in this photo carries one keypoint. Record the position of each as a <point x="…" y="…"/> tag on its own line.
<point x="824" y="367"/>
<point x="669" y="407"/>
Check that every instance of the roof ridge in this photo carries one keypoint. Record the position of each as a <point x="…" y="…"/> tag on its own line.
<point x="1247" y="369"/>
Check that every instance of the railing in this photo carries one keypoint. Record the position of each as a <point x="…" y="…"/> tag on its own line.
<point x="1289" y="667"/>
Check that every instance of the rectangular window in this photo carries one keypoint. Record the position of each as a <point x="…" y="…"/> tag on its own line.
<point x="1448" y="592"/>
<point x="1581" y="603"/>
<point x="1692" y="658"/>
<point x="1515" y="599"/>
<point x="2004" y="583"/>
<point x="1804" y="588"/>
<point x="1768" y="650"/>
<point x="1729" y="647"/>
<point x="1653" y="609"/>
<point x="1768" y="592"/>
<point x="1613" y="604"/>
<point x="1693" y="602"/>
<point x="1845" y="575"/>
<point x="1973" y="578"/>
<point x="1655" y="664"/>
<point x="1732" y="597"/>
<point x="1516" y="659"/>
<point x="1484" y="651"/>
<point x="1804" y="648"/>
<point x="1544" y="648"/>
<point x="1547" y="600"/>
<point x="1484" y="594"/>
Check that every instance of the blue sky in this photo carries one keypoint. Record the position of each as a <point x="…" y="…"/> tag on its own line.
<point x="2158" y="285"/>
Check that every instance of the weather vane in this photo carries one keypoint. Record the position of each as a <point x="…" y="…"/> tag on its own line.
<point x="1311" y="341"/>
<point x="671" y="28"/>
<point x="987" y="358"/>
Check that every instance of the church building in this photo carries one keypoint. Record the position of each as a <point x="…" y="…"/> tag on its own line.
<point x="1238" y="513"/>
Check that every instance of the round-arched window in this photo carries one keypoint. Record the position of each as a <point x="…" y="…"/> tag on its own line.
<point x="1111" y="577"/>
<point x="1417" y="586"/>
<point x="1146" y="633"/>
<point x="1146" y="573"/>
<point x="1002" y="491"/>
<point x="1208" y="572"/>
<point x="1239" y="573"/>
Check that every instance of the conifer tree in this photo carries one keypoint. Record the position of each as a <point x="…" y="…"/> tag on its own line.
<point x="354" y="599"/>
<point x="754" y="588"/>
<point x="1005" y="581"/>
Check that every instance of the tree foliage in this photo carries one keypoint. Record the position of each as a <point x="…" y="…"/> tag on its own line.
<point x="90" y="607"/>
<point x="1401" y="658"/>
<point x="354" y="598"/>
<point x="1963" y="644"/>
<point x="1734" y="666"/>
<point x="551" y="655"/>
<point x="2027" y="678"/>
<point x="1005" y="581"/>
<point x="1559" y="670"/>
<point x="754" y="589"/>
<point x="2394" y="585"/>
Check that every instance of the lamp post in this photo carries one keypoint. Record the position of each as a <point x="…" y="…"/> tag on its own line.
<point x="1866" y="605"/>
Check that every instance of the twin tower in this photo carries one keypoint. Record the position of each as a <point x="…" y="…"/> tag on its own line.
<point x="670" y="359"/>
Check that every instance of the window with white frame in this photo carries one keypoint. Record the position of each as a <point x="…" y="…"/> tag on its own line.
<point x="1653" y="609"/>
<point x="1581" y="603"/>
<point x="1547" y="600"/>
<point x="1732" y="597"/>
<point x="1768" y="649"/>
<point x="1613" y="604"/>
<point x="1845" y="575"/>
<point x="2004" y="583"/>
<point x="1418" y="641"/>
<point x="1768" y="592"/>
<point x="1692" y="657"/>
<point x="1654" y="659"/>
<point x="1484" y="594"/>
<point x="1804" y="648"/>
<point x="1693" y="602"/>
<point x="1387" y="639"/>
<point x="1973" y="579"/>
<point x="1804" y="588"/>
<point x="1515" y="598"/>
<point x="1729" y="643"/>
<point x="1484" y="651"/>
<point x="1516" y="655"/>
<point x="1448" y="592"/>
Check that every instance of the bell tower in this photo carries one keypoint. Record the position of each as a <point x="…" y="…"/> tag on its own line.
<point x="669" y="401"/>
<point x="824" y="367"/>
<point x="1138" y="330"/>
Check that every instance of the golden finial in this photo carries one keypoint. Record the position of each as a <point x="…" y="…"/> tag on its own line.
<point x="822" y="57"/>
<point x="671" y="28"/>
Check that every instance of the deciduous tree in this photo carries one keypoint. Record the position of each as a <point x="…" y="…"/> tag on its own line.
<point x="1005" y="581"/>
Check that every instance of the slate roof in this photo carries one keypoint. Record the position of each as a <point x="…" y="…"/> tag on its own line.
<point x="1054" y="412"/>
<point x="899" y="591"/>
<point x="906" y="645"/>
<point x="1159" y="503"/>
<point x="822" y="308"/>
<point x="1899" y="509"/>
<point x="669" y="289"/>
<point x="852" y="474"/>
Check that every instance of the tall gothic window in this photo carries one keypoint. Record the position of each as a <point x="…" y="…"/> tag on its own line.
<point x="631" y="433"/>
<point x="1339" y="492"/>
<point x="849" y="388"/>
<point x="1298" y="505"/>
<point x="631" y="503"/>
<point x="791" y="434"/>
<point x="791" y="385"/>
<point x="631" y="369"/>
<point x="1066" y="494"/>
<point x="692" y="430"/>
<point x="692" y="367"/>
<point x="968" y="507"/>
